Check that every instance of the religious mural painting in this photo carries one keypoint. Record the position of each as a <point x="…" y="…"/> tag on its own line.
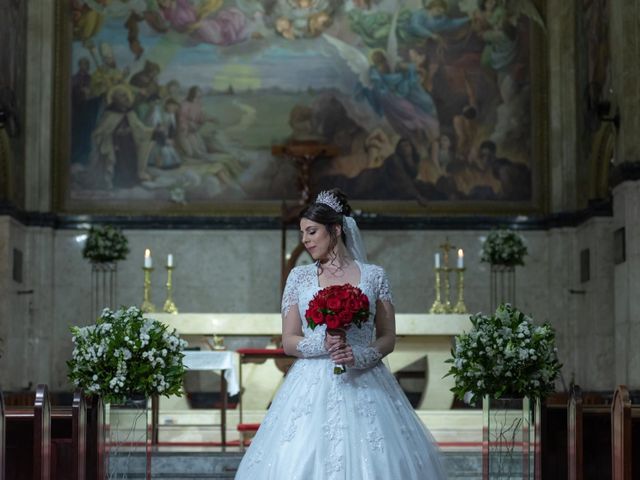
<point x="178" y="102"/>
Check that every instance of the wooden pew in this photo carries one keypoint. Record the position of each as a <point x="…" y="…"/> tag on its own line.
<point x="588" y="438"/>
<point x="625" y="436"/>
<point x="68" y="439"/>
<point x="574" y="434"/>
<point x="551" y="453"/>
<point x="28" y="439"/>
<point x="79" y="436"/>
<point x="95" y="446"/>
<point x="42" y="434"/>
<point x="49" y="443"/>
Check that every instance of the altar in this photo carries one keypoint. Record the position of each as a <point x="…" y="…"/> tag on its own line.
<point x="419" y="336"/>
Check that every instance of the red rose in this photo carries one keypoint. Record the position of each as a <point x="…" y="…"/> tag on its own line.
<point x="344" y="294"/>
<point x="333" y="321"/>
<point x="344" y="317"/>
<point x="364" y="303"/>
<point x="318" y="317"/>
<point x="320" y="302"/>
<point x="353" y="305"/>
<point x="334" y="304"/>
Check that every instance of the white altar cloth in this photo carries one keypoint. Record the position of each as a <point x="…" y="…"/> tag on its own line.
<point x="214" y="360"/>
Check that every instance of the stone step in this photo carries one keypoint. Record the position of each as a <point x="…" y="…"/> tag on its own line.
<point x="223" y="465"/>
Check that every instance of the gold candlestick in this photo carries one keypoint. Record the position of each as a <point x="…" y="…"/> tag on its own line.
<point x="460" y="306"/>
<point x="443" y="305"/>
<point x="147" y="306"/>
<point x="437" y="306"/>
<point x="169" y="306"/>
<point x="447" y="290"/>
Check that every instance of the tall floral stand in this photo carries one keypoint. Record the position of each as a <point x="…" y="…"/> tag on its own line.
<point x="104" y="285"/>
<point x="128" y="439"/>
<point x="510" y="438"/>
<point x="502" y="287"/>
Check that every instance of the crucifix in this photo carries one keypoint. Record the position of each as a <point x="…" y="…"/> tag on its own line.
<point x="446" y="246"/>
<point x="304" y="154"/>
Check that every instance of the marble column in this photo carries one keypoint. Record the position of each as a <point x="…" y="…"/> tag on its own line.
<point x="627" y="285"/>
<point x="563" y="105"/>
<point x="39" y="93"/>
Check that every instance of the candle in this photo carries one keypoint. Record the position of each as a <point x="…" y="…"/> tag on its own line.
<point x="460" y="258"/>
<point x="148" y="263"/>
<point x="170" y="260"/>
<point x="437" y="260"/>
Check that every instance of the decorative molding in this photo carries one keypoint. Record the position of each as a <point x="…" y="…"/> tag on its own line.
<point x="365" y="221"/>
<point x="624" y="172"/>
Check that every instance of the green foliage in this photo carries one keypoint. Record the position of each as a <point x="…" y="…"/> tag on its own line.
<point x="105" y="244"/>
<point x="503" y="247"/>
<point x="125" y="353"/>
<point x="504" y="354"/>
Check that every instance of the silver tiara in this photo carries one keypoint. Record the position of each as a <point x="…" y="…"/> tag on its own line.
<point x="330" y="200"/>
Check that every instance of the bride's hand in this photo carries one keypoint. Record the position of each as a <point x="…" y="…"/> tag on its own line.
<point x="343" y="356"/>
<point x="332" y="342"/>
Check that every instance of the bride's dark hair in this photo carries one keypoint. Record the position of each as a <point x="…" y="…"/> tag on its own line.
<point x="327" y="216"/>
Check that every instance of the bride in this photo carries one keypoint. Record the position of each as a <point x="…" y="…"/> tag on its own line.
<point x="353" y="426"/>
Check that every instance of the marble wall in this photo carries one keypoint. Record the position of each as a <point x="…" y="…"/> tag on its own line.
<point x="627" y="284"/>
<point x="27" y="316"/>
<point x="593" y="328"/>
<point x="239" y="271"/>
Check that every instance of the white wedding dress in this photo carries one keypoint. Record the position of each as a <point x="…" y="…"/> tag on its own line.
<point x="354" y="426"/>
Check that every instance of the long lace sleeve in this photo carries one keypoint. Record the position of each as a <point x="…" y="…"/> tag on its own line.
<point x="365" y="357"/>
<point x="313" y="345"/>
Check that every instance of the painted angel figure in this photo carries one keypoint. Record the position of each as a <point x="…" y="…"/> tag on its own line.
<point x="393" y="92"/>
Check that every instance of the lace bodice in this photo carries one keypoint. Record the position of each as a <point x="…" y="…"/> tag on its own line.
<point x="302" y="285"/>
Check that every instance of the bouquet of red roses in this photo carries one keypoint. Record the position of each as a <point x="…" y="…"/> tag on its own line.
<point x="337" y="307"/>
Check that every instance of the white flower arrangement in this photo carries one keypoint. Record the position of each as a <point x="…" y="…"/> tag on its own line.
<point x="504" y="354"/>
<point x="504" y="247"/>
<point x="105" y="244"/>
<point x="125" y="354"/>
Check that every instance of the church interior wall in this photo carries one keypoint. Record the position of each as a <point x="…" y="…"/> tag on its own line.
<point x="594" y="328"/>
<point x="239" y="270"/>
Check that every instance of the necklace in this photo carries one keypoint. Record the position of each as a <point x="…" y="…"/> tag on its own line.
<point x="338" y="267"/>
